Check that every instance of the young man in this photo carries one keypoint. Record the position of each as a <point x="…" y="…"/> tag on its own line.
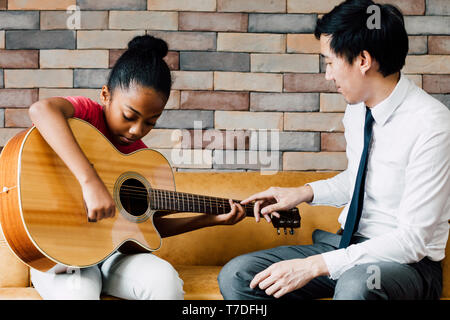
<point x="396" y="188"/>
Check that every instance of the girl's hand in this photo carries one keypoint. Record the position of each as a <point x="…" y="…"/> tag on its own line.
<point x="99" y="202"/>
<point x="236" y="214"/>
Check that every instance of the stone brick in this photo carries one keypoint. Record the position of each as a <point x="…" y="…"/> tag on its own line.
<point x="8" y="133"/>
<point x="90" y="78"/>
<point x="192" y="80"/>
<point x="19" y="59"/>
<point x="433" y="25"/>
<point x="93" y="94"/>
<point x="407" y="7"/>
<point x="436" y="83"/>
<point x="264" y="161"/>
<point x="317" y="6"/>
<point x="188" y="159"/>
<point x="333" y="142"/>
<point x="176" y="5"/>
<point x="172" y="58"/>
<point x="185" y="119"/>
<point x="51" y="20"/>
<point x="2" y="84"/>
<point x="251" y="5"/>
<point x="302" y="43"/>
<point x="240" y="81"/>
<point x="281" y="23"/>
<point x="416" y="78"/>
<point x="18" y="98"/>
<point x="236" y="120"/>
<point x="17" y="118"/>
<point x="439" y="44"/>
<point x="299" y="141"/>
<point x="438" y="7"/>
<point x="19" y="20"/>
<point x="444" y="98"/>
<point x="112" y="4"/>
<point x="106" y="39"/>
<point x="3" y="4"/>
<point x="306" y="63"/>
<point x="284" y="102"/>
<point x="40" y="5"/>
<point x="314" y="121"/>
<point x="255" y="42"/>
<point x="174" y="100"/>
<point x="332" y="102"/>
<point x="2" y="120"/>
<point x="436" y="64"/>
<point x="74" y="59"/>
<point x="303" y="161"/>
<point x="132" y="20"/>
<point x="221" y="61"/>
<point x="163" y="138"/>
<point x="38" y="39"/>
<point x="61" y="78"/>
<point x="214" y="100"/>
<point x="213" y="21"/>
<point x="201" y="41"/>
<point x="2" y="39"/>
<point x="313" y="82"/>
<point x="418" y="45"/>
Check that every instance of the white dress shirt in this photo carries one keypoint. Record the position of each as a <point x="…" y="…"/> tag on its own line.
<point x="406" y="208"/>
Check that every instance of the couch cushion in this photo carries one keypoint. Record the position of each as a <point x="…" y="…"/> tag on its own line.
<point x="13" y="273"/>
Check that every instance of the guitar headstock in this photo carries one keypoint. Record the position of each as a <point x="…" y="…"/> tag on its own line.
<point x="288" y="219"/>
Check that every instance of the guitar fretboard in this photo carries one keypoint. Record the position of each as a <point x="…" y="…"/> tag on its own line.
<point x="187" y="202"/>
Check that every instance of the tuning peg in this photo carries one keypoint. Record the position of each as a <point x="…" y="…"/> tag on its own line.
<point x="285" y="232"/>
<point x="278" y="231"/>
<point x="291" y="231"/>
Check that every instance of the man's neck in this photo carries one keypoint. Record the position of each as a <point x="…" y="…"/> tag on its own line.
<point x="381" y="88"/>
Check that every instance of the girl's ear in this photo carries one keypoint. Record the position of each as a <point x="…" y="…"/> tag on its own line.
<point x="105" y="96"/>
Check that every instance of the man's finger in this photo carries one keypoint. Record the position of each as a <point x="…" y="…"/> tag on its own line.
<point x="259" y="277"/>
<point x="257" y="196"/>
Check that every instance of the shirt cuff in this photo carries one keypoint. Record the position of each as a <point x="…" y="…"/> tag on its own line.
<point x="337" y="262"/>
<point x="320" y="188"/>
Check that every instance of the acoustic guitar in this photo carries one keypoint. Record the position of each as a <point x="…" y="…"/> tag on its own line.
<point x="43" y="216"/>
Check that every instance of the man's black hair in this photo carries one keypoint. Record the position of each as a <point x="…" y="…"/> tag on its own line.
<point x="142" y="64"/>
<point x="350" y="25"/>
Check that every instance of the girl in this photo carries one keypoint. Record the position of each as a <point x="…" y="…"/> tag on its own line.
<point x="133" y="99"/>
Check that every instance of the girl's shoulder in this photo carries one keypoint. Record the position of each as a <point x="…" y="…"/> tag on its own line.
<point x="86" y="109"/>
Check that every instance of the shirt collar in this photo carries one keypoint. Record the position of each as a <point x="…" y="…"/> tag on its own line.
<point x="382" y="111"/>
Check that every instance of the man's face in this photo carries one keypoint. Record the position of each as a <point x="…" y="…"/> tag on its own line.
<point x="348" y="78"/>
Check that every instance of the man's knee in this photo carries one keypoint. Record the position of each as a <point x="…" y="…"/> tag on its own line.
<point x="359" y="283"/>
<point x="236" y="275"/>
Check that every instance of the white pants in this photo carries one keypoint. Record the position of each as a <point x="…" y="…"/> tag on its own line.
<point x="142" y="276"/>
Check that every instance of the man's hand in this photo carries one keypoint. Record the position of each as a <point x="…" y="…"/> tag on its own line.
<point x="289" y="275"/>
<point x="276" y="199"/>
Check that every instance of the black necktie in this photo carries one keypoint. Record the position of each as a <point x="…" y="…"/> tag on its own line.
<point x="356" y="205"/>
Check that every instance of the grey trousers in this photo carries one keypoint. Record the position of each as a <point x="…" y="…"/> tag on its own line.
<point x="421" y="280"/>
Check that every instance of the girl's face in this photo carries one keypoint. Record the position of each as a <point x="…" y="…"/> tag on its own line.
<point x="130" y="114"/>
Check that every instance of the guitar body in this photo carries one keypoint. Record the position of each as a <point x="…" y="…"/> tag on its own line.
<point x="43" y="216"/>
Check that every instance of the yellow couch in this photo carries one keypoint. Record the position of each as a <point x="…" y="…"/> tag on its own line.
<point x="199" y="255"/>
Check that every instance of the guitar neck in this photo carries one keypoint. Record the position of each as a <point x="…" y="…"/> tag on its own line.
<point x="187" y="202"/>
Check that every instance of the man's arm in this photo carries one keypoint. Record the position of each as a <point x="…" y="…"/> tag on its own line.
<point x="422" y="210"/>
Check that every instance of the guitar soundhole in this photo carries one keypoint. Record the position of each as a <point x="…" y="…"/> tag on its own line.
<point x="133" y="197"/>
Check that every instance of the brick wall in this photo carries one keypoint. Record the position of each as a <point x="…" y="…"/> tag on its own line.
<point x="247" y="73"/>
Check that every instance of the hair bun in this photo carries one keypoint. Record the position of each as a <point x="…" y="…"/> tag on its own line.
<point x="149" y="43"/>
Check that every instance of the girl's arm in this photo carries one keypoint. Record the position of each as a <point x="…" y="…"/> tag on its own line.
<point x="50" y="118"/>
<point x="172" y="226"/>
